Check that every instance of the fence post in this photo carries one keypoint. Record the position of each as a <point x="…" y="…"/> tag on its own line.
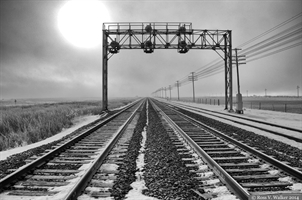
<point x="218" y="102"/>
<point x="214" y="101"/>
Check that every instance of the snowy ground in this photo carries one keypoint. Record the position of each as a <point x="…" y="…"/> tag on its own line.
<point x="281" y="118"/>
<point x="286" y="119"/>
<point x="78" y="122"/>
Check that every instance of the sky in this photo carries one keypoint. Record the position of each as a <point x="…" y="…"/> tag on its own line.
<point x="42" y="54"/>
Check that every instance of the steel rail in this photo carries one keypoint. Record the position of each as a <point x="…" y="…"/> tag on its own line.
<point x="22" y="171"/>
<point x="217" y="169"/>
<point x="201" y="110"/>
<point x="83" y="182"/>
<point x="290" y="170"/>
<point x="253" y="120"/>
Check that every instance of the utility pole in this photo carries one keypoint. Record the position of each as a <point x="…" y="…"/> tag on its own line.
<point x="193" y="78"/>
<point x="177" y="84"/>
<point x="165" y="93"/>
<point x="239" y="60"/>
<point x="298" y="91"/>
<point x="170" y="91"/>
<point x="162" y="92"/>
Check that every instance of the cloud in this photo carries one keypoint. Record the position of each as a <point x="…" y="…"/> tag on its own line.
<point x="37" y="61"/>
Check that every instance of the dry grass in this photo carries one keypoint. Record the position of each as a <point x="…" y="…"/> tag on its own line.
<point x="21" y="125"/>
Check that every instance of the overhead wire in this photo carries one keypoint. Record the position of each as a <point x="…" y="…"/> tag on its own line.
<point x="270" y="30"/>
<point x="276" y="46"/>
<point x="275" y="38"/>
<point x="277" y="51"/>
<point x="279" y="42"/>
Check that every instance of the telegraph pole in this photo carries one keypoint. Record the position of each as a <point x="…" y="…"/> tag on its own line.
<point x="193" y="78"/>
<point x="170" y="91"/>
<point x="239" y="95"/>
<point x="162" y="92"/>
<point x="193" y="87"/>
<point x="298" y="91"/>
<point x="177" y="84"/>
<point x="165" y="93"/>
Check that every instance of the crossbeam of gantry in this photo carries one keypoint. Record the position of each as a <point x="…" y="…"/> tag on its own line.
<point x="166" y="35"/>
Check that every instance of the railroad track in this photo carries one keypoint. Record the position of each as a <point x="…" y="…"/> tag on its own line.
<point x="243" y="169"/>
<point x="85" y="165"/>
<point x="261" y="125"/>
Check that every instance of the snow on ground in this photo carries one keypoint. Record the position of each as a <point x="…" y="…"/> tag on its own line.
<point x="281" y="118"/>
<point x="78" y="122"/>
<point x="285" y="119"/>
<point x="62" y="191"/>
<point x="139" y="185"/>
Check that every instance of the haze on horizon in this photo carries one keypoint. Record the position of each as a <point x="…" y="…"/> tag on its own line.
<point x="38" y="60"/>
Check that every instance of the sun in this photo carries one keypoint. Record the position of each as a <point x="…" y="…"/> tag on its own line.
<point x="80" y="22"/>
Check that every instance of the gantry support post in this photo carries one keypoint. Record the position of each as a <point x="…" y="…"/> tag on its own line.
<point x="225" y="72"/>
<point x="105" y="72"/>
<point x="230" y="72"/>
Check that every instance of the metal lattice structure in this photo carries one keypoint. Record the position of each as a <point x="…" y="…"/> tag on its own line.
<point x="165" y="35"/>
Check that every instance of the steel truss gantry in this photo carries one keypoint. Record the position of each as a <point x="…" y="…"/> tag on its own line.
<point x="166" y="35"/>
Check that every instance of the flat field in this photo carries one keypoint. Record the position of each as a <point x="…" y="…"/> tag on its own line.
<point x="27" y="121"/>
<point x="281" y="104"/>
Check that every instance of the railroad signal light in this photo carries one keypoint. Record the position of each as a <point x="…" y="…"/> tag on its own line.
<point x="182" y="29"/>
<point x="114" y="47"/>
<point x="182" y="47"/>
<point x="148" y="48"/>
<point x="185" y="50"/>
<point x="148" y="28"/>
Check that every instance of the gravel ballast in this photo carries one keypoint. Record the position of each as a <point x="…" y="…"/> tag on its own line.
<point x="278" y="150"/>
<point x="127" y="169"/>
<point x="165" y="174"/>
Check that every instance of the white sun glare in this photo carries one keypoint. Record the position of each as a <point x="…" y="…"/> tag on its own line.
<point x="80" y="22"/>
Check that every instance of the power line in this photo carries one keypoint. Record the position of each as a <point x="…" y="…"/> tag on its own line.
<point x="270" y="30"/>
<point x="277" y="51"/>
<point x="276" y="41"/>
<point x="278" y="36"/>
